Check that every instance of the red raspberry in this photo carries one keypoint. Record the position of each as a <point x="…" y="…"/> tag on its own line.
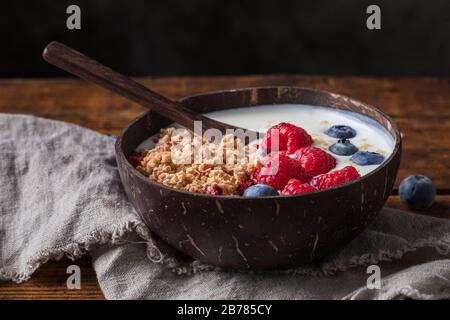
<point x="213" y="189"/>
<point x="315" y="161"/>
<point x="135" y="160"/>
<point x="278" y="175"/>
<point x="335" y="178"/>
<point x="244" y="184"/>
<point x="295" y="186"/>
<point x="283" y="152"/>
<point x="290" y="138"/>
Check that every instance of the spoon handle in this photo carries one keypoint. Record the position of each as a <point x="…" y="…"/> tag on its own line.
<point x="90" y="70"/>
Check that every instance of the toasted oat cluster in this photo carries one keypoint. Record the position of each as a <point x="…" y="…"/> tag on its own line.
<point x="183" y="161"/>
<point x="284" y="163"/>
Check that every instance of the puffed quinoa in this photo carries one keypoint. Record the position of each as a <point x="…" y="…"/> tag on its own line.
<point x="214" y="169"/>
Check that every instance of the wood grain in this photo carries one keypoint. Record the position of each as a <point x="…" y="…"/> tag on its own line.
<point x="92" y="71"/>
<point x="49" y="282"/>
<point x="421" y="107"/>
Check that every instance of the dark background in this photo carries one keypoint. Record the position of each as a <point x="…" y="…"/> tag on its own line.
<point x="207" y="37"/>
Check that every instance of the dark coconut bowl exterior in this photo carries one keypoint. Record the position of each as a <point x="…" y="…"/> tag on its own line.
<point x="257" y="233"/>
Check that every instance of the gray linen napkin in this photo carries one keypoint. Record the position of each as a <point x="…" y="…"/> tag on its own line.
<point x="60" y="195"/>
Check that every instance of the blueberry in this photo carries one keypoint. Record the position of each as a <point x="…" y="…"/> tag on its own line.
<point x="343" y="147"/>
<point x="341" y="132"/>
<point x="260" y="190"/>
<point x="417" y="192"/>
<point x="365" y="158"/>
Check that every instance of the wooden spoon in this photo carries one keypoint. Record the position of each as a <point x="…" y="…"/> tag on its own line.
<point x="88" y="69"/>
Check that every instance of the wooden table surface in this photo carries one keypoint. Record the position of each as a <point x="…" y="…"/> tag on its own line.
<point x="421" y="107"/>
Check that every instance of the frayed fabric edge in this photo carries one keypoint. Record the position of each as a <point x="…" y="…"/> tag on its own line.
<point x="409" y="292"/>
<point x="155" y="255"/>
<point x="402" y="293"/>
<point x="441" y="245"/>
<point x="78" y="249"/>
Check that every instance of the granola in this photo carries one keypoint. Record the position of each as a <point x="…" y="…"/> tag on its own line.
<point x="183" y="161"/>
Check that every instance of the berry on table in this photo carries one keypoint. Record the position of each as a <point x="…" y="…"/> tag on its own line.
<point x="278" y="170"/>
<point x="295" y="186"/>
<point x="341" y="132"/>
<point x="290" y="138"/>
<point x="260" y="190"/>
<point x="343" y="147"/>
<point x="365" y="158"/>
<point x="335" y="178"/>
<point x="417" y="192"/>
<point x="315" y="161"/>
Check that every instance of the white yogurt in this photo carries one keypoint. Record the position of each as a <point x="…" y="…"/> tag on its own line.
<point x="371" y="136"/>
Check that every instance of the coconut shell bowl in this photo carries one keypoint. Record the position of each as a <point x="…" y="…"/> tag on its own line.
<point x="258" y="233"/>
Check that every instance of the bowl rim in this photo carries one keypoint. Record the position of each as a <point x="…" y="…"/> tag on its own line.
<point x="146" y="180"/>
